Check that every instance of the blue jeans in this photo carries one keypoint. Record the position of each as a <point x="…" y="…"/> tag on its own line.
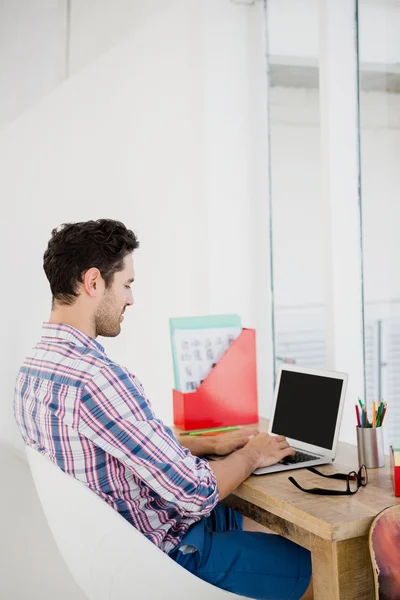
<point x="255" y="565"/>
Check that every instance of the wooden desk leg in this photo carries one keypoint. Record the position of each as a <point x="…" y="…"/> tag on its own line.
<point x="342" y="570"/>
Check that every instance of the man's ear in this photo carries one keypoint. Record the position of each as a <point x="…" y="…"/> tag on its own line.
<point x="92" y="282"/>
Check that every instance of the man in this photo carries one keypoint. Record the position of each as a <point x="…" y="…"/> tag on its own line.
<point x="91" y="417"/>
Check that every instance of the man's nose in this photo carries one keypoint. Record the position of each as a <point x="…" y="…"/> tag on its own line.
<point x="129" y="300"/>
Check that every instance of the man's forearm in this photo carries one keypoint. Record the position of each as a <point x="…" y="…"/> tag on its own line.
<point x="257" y="450"/>
<point x="231" y="471"/>
<point x="198" y="445"/>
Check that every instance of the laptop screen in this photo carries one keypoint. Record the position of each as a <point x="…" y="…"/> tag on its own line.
<point x="307" y="408"/>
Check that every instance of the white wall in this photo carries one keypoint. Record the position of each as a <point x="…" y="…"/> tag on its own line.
<point x="97" y="25"/>
<point x="32" y="53"/>
<point x="125" y="138"/>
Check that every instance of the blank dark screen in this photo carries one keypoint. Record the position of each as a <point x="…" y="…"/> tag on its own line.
<point x="307" y="408"/>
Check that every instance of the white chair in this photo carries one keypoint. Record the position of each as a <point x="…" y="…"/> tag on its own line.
<point x="106" y="556"/>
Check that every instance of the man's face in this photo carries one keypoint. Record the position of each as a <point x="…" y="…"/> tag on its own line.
<point x="109" y="314"/>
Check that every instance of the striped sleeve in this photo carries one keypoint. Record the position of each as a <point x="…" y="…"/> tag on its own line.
<point x="115" y="415"/>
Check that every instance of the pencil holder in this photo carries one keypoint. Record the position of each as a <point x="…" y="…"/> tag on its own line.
<point x="370" y="447"/>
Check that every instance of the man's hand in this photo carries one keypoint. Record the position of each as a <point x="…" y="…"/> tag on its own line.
<point x="228" y="442"/>
<point x="261" y="450"/>
<point x="221" y="444"/>
<point x="270" y="449"/>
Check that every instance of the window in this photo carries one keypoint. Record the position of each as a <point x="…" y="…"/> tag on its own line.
<point x="379" y="77"/>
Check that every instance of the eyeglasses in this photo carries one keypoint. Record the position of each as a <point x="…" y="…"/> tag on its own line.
<point x="354" y="480"/>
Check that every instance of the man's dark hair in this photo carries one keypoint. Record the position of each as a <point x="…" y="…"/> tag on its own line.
<point x="76" y="247"/>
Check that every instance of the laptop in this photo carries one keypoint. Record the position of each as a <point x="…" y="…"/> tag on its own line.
<point x="308" y="406"/>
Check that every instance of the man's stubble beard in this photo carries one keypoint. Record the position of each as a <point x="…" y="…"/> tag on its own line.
<point x="107" y="322"/>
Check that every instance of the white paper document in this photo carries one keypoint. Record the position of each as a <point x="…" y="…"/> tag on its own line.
<point x="198" y="350"/>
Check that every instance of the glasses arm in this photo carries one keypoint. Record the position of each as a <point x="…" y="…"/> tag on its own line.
<point x="319" y="491"/>
<point x="340" y="476"/>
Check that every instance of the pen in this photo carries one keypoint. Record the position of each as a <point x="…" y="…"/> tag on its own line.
<point x="213" y="430"/>
<point x="358" y="416"/>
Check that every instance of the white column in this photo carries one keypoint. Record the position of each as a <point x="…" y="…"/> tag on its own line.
<point x="259" y="182"/>
<point x="236" y="171"/>
<point x="340" y="194"/>
<point x="226" y="137"/>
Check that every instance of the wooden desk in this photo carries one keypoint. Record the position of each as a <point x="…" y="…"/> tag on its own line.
<point x="334" y="529"/>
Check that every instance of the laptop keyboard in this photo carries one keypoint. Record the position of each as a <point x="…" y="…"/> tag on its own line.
<point x="299" y="457"/>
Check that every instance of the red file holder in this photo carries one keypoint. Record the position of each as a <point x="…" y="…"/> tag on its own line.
<point x="228" y="395"/>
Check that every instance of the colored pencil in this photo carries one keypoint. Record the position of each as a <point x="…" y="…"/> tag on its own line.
<point x="383" y="412"/>
<point x="211" y="431"/>
<point x="379" y="416"/>
<point x="358" y="415"/>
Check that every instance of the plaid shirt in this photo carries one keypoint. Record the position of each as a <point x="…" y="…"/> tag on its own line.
<point x="91" y="417"/>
